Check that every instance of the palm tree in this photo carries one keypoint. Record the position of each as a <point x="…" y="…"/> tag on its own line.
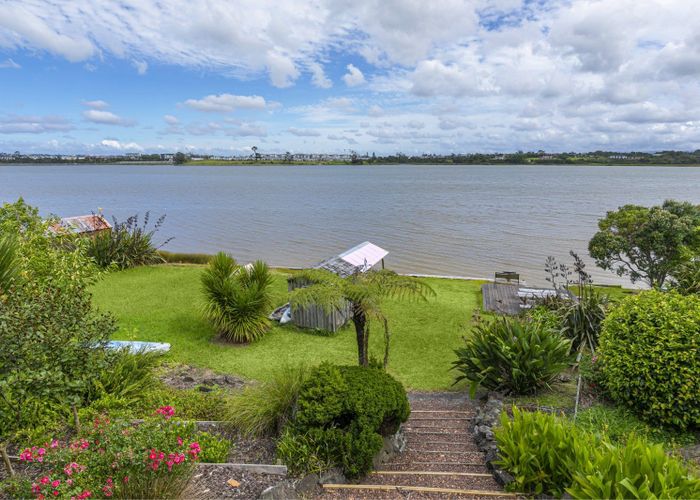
<point x="9" y="267"/>
<point x="237" y="298"/>
<point x="364" y="293"/>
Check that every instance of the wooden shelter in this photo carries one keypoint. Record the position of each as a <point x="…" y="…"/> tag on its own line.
<point x="360" y="258"/>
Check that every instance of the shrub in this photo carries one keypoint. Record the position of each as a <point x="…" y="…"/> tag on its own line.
<point x="540" y="450"/>
<point x="616" y="424"/>
<point x="342" y="415"/>
<point x="215" y="449"/>
<point x="237" y="298"/>
<point x="635" y="470"/>
<point x="582" y="319"/>
<point x="126" y="376"/>
<point x="266" y="408"/>
<point x="128" y="244"/>
<point x="9" y="265"/>
<point x="650" y="354"/>
<point x="185" y="258"/>
<point x="152" y="460"/>
<point x="686" y="279"/>
<point x="512" y="356"/>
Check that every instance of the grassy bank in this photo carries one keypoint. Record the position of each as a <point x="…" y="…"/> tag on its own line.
<point x="162" y="304"/>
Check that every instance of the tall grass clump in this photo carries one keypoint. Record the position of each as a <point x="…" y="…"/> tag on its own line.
<point x="128" y="244"/>
<point x="127" y="376"/>
<point x="266" y="408"/>
<point x="237" y="298"/>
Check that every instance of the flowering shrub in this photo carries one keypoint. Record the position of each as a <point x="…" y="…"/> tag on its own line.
<point x="154" y="459"/>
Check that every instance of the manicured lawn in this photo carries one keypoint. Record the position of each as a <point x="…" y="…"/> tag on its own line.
<point x="163" y="303"/>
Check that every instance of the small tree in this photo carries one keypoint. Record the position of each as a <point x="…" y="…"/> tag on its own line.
<point x="364" y="292"/>
<point x="179" y="158"/>
<point x="647" y="244"/>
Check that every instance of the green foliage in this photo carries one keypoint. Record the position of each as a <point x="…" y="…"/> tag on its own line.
<point x="616" y="424"/>
<point x="126" y="376"/>
<point x="634" y="470"/>
<point x="237" y="298"/>
<point x="582" y="319"/>
<point x="342" y="414"/>
<point x="215" y="449"/>
<point x="363" y="292"/>
<point x="266" y="408"/>
<point x="647" y="244"/>
<point x="128" y="244"/>
<point x="185" y="258"/>
<point x="541" y="451"/>
<point x="513" y="356"/>
<point x="650" y="355"/>
<point x="9" y="263"/>
<point x="154" y="459"/>
<point x="686" y="279"/>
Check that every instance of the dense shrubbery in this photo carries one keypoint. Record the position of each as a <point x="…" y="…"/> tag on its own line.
<point x="541" y="451"/>
<point x="549" y="455"/>
<point x="266" y="408"/>
<point x="185" y="258"/>
<point x="633" y="470"/>
<point x="128" y="244"/>
<point x="237" y="298"/>
<point x="686" y="279"/>
<point x="513" y="356"/>
<point x="342" y="414"/>
<point x="650" y="355"/>
<point x="114" y="458"/>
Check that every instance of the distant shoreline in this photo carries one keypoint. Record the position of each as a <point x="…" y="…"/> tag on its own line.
<point x="251" y="163"/>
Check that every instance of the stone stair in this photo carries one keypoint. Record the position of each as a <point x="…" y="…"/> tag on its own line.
<point x="441" y="459"/>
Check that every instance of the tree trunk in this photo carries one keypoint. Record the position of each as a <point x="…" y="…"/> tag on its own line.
<point x="6" y="459"/>
<point x="360" y="320"/>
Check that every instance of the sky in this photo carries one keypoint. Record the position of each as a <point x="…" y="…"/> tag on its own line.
<point x="330" y="76"/>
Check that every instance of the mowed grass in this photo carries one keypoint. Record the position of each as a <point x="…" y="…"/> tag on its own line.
<point x="163" y="304"/>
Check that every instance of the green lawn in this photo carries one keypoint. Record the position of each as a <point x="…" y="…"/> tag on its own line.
<point x="162" y="304"/>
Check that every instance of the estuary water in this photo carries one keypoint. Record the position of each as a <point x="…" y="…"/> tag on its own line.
<point x="442" y="220"/>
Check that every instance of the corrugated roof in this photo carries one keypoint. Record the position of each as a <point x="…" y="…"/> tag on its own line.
<point x="82" y="224"/>
<point x="359" y="258"/>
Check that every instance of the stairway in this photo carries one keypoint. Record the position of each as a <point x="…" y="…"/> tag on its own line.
<point x="441" y="459"/>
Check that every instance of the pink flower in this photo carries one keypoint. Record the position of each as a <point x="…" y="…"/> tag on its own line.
<point x="55" y="493"/>
<point x="41" y="451"/>
<point x="36" y="488"/>
<point x="69" y="482"/>
<point x="154" y="465"/>
<point x="126" y="479"/>
<point x="54" y="443"/>
<point x="179" y="441"/>
<point x="55" y="483"/>
<point x="166" y="411"/>
<point x="26" y="456"/>
<point x="45" y="480"/>
<point x="152" y="455"/>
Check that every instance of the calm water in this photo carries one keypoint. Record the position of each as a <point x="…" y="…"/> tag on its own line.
<point x="468" y="221"/>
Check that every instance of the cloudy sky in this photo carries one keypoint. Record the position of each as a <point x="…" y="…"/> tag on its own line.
<point x="331" y="75"/>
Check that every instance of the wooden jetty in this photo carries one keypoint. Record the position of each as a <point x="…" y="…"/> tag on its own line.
<point x="501" y="298"/>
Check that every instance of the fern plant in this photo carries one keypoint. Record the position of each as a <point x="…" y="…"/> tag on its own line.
<point x="237" y="298"/>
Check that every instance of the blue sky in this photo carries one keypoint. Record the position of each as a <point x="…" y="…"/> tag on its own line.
<point x="91" y="76"/>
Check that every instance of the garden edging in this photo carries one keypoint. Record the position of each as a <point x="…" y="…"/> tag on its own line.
<point x="487" y="417"/>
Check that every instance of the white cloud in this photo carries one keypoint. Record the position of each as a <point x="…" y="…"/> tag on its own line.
<point x="318" y="76"/>
<point x="9" y="63"/>
<point x="353" y="77"/>
<point x="121" y="146"/>
<point x="96" y="104"/>
<point x="171" y="120"/>
<point x="106" y="118"/>
<point x="304" y="132"/>
<point x="282" y="69"/>
<point x="28" y="124"/>
<point x="141" y="67"/>
<point x="226" y="103"/>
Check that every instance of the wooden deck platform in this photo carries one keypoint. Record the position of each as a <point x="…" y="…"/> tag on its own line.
<point x="501" y="298"/>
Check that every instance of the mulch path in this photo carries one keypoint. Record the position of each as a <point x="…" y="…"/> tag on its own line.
<point x="190" y="377"/>
<point x="211" y="482"/>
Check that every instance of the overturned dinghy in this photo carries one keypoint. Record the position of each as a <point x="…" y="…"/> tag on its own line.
<point x="137" y="347"/>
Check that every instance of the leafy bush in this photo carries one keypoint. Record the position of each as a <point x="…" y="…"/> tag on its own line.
<point x="650" y="354"/>
<point x="342" y="414"/>
<point x="215" y="449"/>
<point x="686" y="279"/>
<point x="635" y="470"/>
<point x="266" y="408"/>
<point x="540" y="450"/>
<point x="128" y="244"/>
<point x="511" y="355"/>
<point x="152" y="460"/>
<point x="237" y="298"/>
<point x="9" y="265"/>
<point x="616" y="424"/>
<point x="126" y="376"/>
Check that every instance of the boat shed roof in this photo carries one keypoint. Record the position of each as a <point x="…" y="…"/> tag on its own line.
<point x="359" y="258"/>
<point x="82" y="224"/>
